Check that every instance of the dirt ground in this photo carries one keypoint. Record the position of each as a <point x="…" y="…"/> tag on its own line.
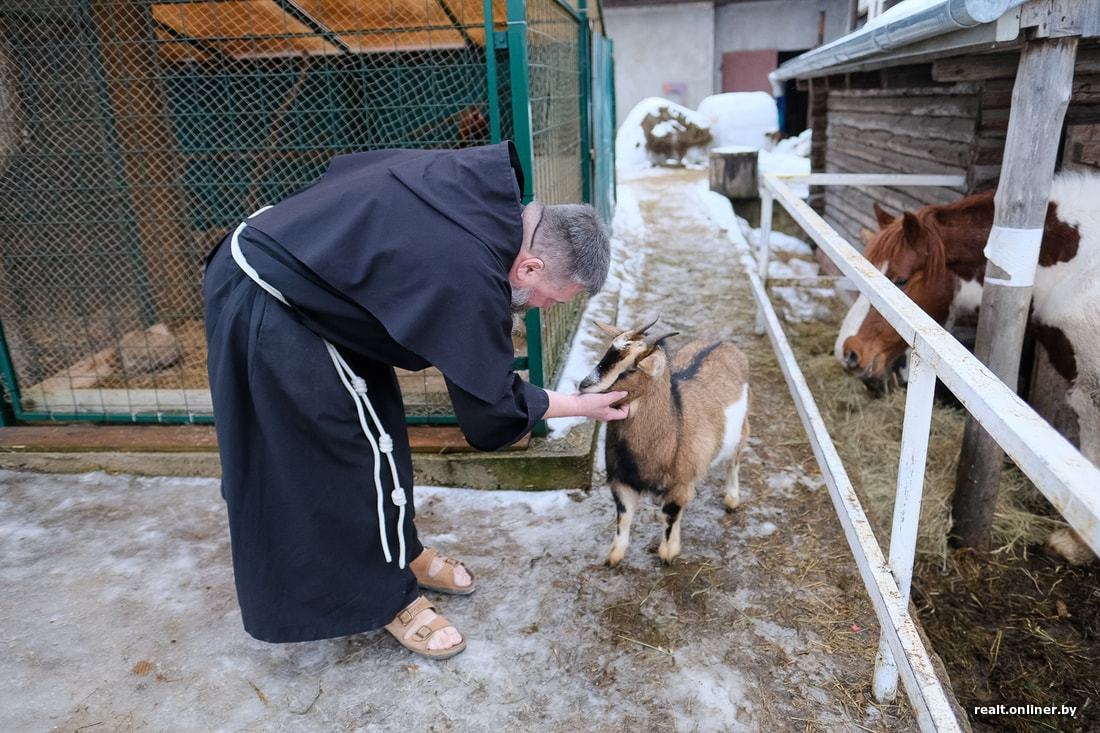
<point x="119" y="611"/>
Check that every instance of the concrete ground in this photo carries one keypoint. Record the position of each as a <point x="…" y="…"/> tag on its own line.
<point x="118" y="610"/>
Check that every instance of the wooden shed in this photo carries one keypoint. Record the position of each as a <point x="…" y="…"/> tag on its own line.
<point x="939" y="106"/>
<point x="1002" y="92"/>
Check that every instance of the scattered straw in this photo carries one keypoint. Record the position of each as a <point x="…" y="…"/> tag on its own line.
<point x="867" y="433"/>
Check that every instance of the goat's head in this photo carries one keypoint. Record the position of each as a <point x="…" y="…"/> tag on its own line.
<point x="631" y="364"/>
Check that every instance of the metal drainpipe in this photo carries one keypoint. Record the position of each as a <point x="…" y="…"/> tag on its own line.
<point x="944" y="17"/>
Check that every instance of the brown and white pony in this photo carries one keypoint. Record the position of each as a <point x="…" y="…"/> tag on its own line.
<point x="935" y="256"/>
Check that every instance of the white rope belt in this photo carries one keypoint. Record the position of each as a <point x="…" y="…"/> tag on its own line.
<point x="357" y="388"/>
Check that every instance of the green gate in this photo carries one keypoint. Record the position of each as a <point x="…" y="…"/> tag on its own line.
<point x="134" y="133"/>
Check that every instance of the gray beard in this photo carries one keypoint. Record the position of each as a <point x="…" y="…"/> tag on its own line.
<point x="520" y="298"/>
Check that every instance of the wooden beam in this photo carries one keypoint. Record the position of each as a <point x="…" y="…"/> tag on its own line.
<point x="1039" y="100"/>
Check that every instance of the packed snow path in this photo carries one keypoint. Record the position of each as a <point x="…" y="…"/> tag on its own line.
<point x="118" y="609"/>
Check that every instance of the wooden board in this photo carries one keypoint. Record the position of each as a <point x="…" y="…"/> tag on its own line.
<point x="184" y="439"/>
<point x="261" y="28"/>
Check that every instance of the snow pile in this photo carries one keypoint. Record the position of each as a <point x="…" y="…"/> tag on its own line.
<point x="799" y="145"/>
<point x="785" y="163"/>
<point x="738" y="119"/>
<point x="658" y="130"/>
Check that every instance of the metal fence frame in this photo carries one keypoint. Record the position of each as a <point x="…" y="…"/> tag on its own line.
<point x="1060" y="472"/>
<point x="548" y="333"/>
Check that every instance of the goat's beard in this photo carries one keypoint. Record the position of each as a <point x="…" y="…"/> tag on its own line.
<point x="520" y="298"/>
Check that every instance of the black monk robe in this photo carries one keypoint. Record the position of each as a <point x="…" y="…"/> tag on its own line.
<point x="397" y="258"/>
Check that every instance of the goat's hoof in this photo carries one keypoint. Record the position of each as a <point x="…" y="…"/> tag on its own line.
<point x="731" y="506"/>
<point x="613" y="559"/>
<point x="667" y="554"/>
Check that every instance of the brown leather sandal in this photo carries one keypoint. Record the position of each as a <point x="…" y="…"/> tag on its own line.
<point x="418" y="640"/>
<point x="444" y="579"/>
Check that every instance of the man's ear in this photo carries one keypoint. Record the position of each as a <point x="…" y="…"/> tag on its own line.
<point x="654" y="362"/>
<point x="528" y="267"/>
<point x="608" y="329"/>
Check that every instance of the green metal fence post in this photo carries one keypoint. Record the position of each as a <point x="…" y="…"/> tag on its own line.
<point x="491" y="73"/>
<point x="614" y="118"/>
<point x="10" y="387"/>
<point x="525" y="147"/>
<point x="521" y="94"/>
<point x="584" y="43"/>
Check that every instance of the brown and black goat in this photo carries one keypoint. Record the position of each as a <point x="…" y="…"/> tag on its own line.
<point x="687" y="412"/>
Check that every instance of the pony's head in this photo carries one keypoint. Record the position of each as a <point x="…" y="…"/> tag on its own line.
<point x="908" y="249"/>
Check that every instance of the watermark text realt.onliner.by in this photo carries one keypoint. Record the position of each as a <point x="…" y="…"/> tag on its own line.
<point x="1070" y="710"/>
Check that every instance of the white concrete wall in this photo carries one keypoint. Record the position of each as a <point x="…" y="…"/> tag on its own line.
<point x="780" y="24"/>
<point x="657" y="45"/>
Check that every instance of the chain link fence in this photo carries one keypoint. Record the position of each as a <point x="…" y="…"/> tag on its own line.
<point x="134" y="134"/>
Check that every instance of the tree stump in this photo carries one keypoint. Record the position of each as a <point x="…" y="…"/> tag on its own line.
<point x="733" y="172"/>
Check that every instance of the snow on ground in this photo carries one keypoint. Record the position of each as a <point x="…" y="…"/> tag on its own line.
<point x="790" y="257"/>
<point x="119" y="610"/>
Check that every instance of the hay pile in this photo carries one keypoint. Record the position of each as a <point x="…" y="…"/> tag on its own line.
<point x="867" y="433"/>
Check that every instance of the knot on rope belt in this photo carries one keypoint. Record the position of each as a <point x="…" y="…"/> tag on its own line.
<point x="356" y="386"/>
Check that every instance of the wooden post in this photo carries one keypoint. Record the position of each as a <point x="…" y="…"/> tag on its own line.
<point x="733" y="172"/>
<point x="1039" y="100"/>
<point x="152" y="170"/>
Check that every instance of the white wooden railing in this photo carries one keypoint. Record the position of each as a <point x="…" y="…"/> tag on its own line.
<point x="1061" y="473"/>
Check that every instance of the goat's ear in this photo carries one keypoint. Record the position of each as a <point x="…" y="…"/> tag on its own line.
<point x="910" y="226"/>
<point x="654" y="362"/>
<point x="608" y="328"/>
<point x="882" y="217"/>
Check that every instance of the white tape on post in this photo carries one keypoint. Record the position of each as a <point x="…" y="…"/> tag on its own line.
<point x="1016" y="251"/>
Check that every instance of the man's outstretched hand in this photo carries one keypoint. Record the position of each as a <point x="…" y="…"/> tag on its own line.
<point x="594" y="406"/>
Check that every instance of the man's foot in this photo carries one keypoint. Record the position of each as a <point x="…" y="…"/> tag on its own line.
<point x="420" y="629"/>
<point x="442" y="574"/>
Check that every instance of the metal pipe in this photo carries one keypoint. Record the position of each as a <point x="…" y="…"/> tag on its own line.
<point x="941" y="18"/>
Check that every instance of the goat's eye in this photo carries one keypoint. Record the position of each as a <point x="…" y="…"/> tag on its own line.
<point x="901" y="281"/>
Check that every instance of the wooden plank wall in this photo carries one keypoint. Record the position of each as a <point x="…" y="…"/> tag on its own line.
<point x="946" y="116"/>
<point x="996" y="74"/>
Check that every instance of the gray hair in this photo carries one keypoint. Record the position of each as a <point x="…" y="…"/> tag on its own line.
<point x="574" y="243"/>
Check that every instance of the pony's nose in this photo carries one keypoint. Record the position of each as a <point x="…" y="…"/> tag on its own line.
<point x="851" y="359"/>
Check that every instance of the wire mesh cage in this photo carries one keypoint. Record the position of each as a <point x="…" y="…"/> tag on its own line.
<point x="134" y="134"/>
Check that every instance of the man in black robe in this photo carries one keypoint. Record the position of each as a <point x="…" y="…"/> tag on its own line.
<point x="393" y="258"/>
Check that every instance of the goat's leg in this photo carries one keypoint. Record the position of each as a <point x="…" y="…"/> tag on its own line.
<point x="732" y="499"/>
<point x="626" y="501"/>
<point x="673" y="511"/>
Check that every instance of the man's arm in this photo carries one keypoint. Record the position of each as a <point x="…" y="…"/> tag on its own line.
<point x="595" y="406"/>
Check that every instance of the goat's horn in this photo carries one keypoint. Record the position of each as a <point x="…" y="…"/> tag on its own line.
<point x="654" y="340"/>
<point x="643" y="329"/>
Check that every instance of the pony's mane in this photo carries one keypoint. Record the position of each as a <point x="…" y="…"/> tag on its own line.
<point x="891" y="243"/>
